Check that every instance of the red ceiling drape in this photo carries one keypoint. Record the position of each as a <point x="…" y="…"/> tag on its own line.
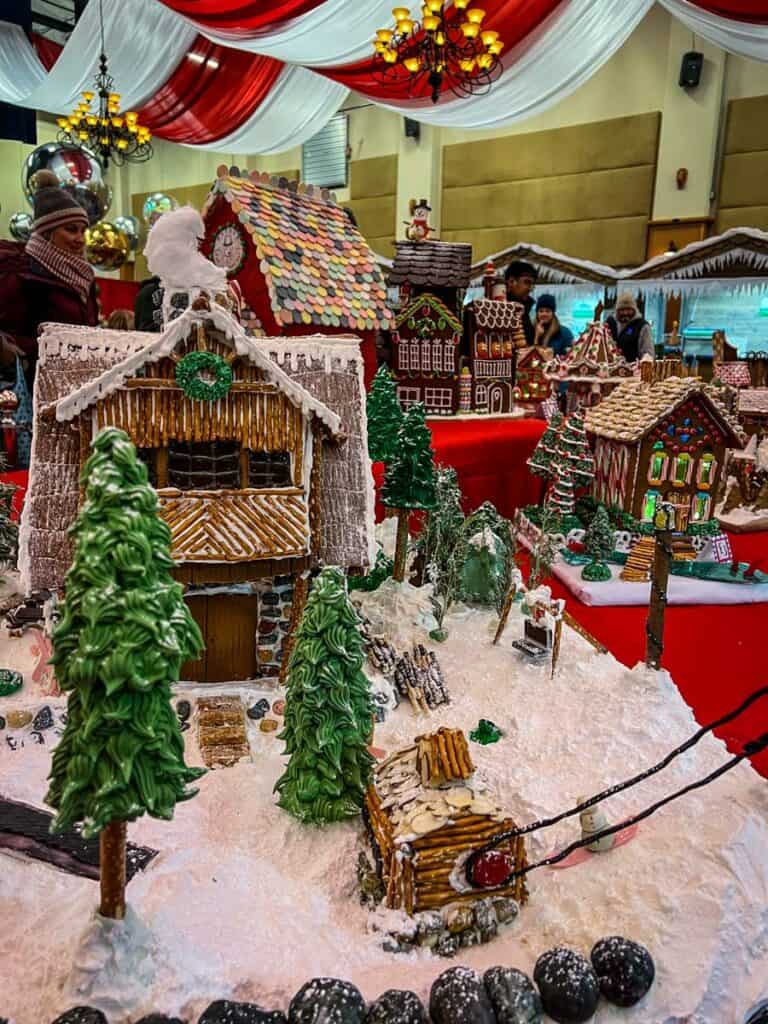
<point x="242" y="17"/>
<point x="755" y="11"/>
<point x="47" y="50"/>
<point x="213" y="91"/>
<point x="512" y="19"/>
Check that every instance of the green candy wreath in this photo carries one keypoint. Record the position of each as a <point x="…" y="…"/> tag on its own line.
<point x="189" y="379"/>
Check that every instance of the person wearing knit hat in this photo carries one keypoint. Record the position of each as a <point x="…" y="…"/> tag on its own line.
<point x="630" y="331"/>
<point x="46" y="280"/>
<point x="548" y="331"/>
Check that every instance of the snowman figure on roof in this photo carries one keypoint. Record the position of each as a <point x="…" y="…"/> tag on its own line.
<point x="419" y="229"/>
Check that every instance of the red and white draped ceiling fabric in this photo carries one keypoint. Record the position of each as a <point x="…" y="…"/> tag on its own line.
<point x="262" y="76"/>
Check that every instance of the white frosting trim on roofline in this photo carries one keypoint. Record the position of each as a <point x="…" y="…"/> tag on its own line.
<point x="162" y="345"/>
<point x="752" y="258"/>
<point x="544" y="254"/>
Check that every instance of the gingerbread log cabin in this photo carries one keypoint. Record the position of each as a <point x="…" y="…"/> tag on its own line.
<point x="300" y="263"/>
<point x="257" y="449"/>
<point x="426" y="814"/>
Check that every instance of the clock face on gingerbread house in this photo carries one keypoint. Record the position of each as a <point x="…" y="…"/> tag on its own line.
<point x="229" y="248"/>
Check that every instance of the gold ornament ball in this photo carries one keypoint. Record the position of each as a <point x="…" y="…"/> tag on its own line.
<point x="106" y="247"/>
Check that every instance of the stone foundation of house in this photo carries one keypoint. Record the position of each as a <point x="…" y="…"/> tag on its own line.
<point x="275" y="601"/>
<point x="454" y="926"/>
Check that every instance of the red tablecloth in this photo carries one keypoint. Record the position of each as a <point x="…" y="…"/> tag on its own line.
<point x="489" y="456"/>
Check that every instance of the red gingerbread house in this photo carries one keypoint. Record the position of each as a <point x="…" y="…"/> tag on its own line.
<point x="300" y="263"/>
<point x="426" y="343"/>
<point x="532" y="386"/>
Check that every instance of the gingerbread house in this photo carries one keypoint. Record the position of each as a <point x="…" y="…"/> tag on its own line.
<point x="301" y="264"/>
<point x="430" y="278"/>
<point x="532" y="386"/>
<point x="663" y="441"/>
<point x="426" y="342"/>
<point x="753" y="411"/>
<point x="591" y="368"/>
<point x="494" y="332"/>
<point x="260" y="479"/>
<point x="427" y="814"/>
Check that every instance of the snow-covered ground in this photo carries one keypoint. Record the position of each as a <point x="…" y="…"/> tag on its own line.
<point x="245" y="903"/>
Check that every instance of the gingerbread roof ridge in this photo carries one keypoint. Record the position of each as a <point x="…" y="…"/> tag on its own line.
<point x="162" y="345"/>
<point x="275" y="181"/>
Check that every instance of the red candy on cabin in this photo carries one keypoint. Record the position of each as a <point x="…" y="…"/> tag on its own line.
<point x="491" y="869"/>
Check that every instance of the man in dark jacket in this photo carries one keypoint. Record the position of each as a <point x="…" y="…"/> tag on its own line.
<point x="630" y="331"/>
<point x="47" y="280"/>
<point x="148" y="306"/>
<point x="521" y="280"/>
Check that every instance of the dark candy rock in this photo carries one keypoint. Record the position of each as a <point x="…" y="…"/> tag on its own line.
<point x="81" y="1015"/>
<point x="259" y="709"/>
<point x="624" y="969"/>
<point x="183" y="709"/>
<point x="2" y="722"/>
<point x="458" y="996"/>
<point x="513" y="996"/>
<point x="43" y="719"/>
<point x="396" y="1007"/>
<point x="568" y="985"/>
<point x="225" y="1012"/>
<point x="329" y="1000"/>
<point x="159" y="1018"/>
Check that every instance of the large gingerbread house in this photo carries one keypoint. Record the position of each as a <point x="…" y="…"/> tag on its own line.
<point x="427" y="343"/>
<point x="258" y="484"/>
<point x="301" y="264"/>
<point x="494" y="333"/>
<point x="662" y="441"/>
<point x="591" y="368"/>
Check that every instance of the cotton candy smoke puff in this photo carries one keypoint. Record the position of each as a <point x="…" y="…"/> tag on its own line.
<point x="624" y="969"/>
<point x="173" y="255"/>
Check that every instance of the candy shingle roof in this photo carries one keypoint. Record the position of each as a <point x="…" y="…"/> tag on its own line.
<point x="318" y="267"/>
<point x="754" y="400"/>
<point x="498" y="316"/>
<point x="634" y="408"/>
<point x="593" y="355"/>
<point x="432" y="264"/>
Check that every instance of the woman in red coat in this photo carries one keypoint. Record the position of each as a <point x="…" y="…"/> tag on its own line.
<point x="47" y="280"/>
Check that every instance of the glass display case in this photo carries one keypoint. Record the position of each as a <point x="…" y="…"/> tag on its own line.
<point x="742" y="314"/>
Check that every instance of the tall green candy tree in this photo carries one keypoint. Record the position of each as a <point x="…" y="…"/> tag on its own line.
<point x="328" y="710"/>
<point x="409" y="481"/>
<point x="384" y="416"/>
<point x="123" y="635"/>
<point x="573" y="450"/>
<point x="541" y="458"/>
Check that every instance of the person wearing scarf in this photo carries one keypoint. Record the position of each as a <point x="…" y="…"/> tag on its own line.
<point x="47" y="280"/>
<point x="548" y="331"/>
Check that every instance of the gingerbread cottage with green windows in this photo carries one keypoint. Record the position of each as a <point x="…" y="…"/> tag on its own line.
<point x="664" y="441"/>
<point x="256" y="448"/>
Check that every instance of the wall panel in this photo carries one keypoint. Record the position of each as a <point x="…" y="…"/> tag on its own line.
<point x="373" y="200"/>
<point x="743" y="192"/>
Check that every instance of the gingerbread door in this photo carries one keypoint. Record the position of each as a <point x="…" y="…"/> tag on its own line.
<point x="229" y="624"/>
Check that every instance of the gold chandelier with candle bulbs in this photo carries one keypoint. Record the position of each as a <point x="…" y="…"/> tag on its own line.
<point x="104" y="130"/>
<point x="448" y="48"/>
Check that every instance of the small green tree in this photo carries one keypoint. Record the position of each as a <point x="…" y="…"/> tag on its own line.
<point x="541" y="458"/>
<point x="441" y="545"/>
<point x="123" y="635"/>
<point x="384" y="416"/>
<point x="544" y="550"/>
<point x="573" y="451"/>
<point x="409" y="481"/>
<point x="328" y="710"/>
<point x="598" y="543"/>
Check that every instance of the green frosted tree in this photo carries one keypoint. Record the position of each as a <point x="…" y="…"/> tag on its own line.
<point x="328" y="710"/>
<point x="441" y="545"/>
<point x="561" y="499"/>
<point x="598" y="543"/>
<point x="123" y="635"/>
<point x="541" y="458"/>
<point x="409" y="481"/>
<point x="384" y="416"/>
<point x="573" y="451"/>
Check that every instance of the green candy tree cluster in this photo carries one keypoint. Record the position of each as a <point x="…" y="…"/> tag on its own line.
<point x="541" y="459"/>
<point x="573" y="452"/>
<point x="123" y="635"/>
<point x="409" y="481"/>
<point x="598" y="543"/>
<point x="328" y="710"/>
<point x="384" y="416"/>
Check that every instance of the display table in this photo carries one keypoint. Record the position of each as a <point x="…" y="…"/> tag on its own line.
<point x="489" y="455"/>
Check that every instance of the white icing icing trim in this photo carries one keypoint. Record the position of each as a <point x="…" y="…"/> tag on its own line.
<point x="523" y="250"/>
<point x="255" y="349"/>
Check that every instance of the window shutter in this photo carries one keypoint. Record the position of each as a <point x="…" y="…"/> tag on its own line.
<point x="324" y="156"/>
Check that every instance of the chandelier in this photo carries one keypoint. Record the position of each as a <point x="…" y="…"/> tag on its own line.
<point x="103" y="129"/>
<point x="449" y="47"/>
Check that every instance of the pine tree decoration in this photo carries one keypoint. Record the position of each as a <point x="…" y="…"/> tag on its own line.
<point x="409" y="481"/>
<point x="544" y="550"/>
<point x="123" y="635"/>
<point x="573" y="450"/>
<point x="598" y="543"/>
<point x="328" y="710"/>
<point x="561" y="498"/>
<point x="442" y="545"/>
<point x="384" y="416"/>
<point x="540" y="461"/>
